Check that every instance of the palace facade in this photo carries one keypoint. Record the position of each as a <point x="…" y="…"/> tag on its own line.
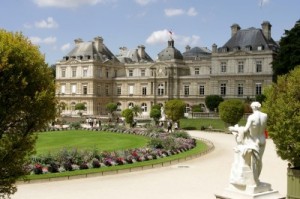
<point x="91" y="74"/>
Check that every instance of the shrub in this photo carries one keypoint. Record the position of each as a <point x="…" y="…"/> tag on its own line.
<point x="212" y="101"/>
<point x="75" y="125"/>
<point x="181" y="134"/>
<point x="231" y="111"/>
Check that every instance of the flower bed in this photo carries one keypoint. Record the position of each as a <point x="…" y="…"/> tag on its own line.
<point x="161" y="145"/>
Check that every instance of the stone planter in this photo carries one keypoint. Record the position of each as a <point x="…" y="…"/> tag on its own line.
<point x="293" y="183"/>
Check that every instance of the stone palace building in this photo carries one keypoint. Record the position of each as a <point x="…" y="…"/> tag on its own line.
<point x="91" y="74"/>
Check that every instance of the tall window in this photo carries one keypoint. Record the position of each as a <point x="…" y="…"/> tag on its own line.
<point x="240" y="89"/>
<point x="130" y="90"/>
<point x="84" y="72"/>
<point x="186" y="90"/>
<point x="144" y="90"/>
<point x="119" y="90"/>
<point x="201" y="90"/>
<point x="63" y="72"/>
<point x="240" y="67"/>
<point x="73" y="88"/>
<point x="73" y="72"/>
<point x="197" y="71"/>
<point x="119" y="105"/>
<point x="63" y="89"/>
<point x="130" y="72"/>
<point x="144" y="107"/>
<point x="223" y="89"/>
<point x="106" y="90"/>
<point x="223" y="67"/>
<point x="107" y="73"/>
<point x="160" y="89"/>
<point x="84" y="89"/>
<point x="99" y="89"/>
<point x="130" y="105"/>
<point x="258" y="66"/>
<point x="258" y="88"/>
<point x="143" y="72"/>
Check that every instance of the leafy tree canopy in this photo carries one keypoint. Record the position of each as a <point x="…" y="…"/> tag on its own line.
<point x="231" y="111"/>
<point x="212" y="101"/>
<point x="80" y="106"/>
<point x="27" y="104"/>
<point x="111" y="107"/>
<point x="174" y="109"/>
<point x="282" y="105"/>
<point x="289" y="52"/>
<point x="128" y="115"/>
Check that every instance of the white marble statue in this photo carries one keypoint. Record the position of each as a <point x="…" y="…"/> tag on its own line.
<point x="251" y="141"/>
<point x="163" y="115"/>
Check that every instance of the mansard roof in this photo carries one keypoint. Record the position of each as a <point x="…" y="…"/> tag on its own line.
<point x="170" y="52"/>
<point x="197" y="52"/>
<point x="137" y="55"/>
<point x="251" y="37"/>
<point x="93" y="50"/>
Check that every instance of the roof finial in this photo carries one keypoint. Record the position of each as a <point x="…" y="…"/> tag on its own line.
<point x="171" y="33"/>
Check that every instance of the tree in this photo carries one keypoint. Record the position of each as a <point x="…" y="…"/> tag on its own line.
<point x="80" y="107"/>
<point x="282" y="105"/>
<point x="111" y="108"/>
<point x="136" y="109"/>
<point x="231" y="111"/>
<point x="128" y="115"/>
<point x="289" y="52"/>
<point x="212" y="101"/>
<point x="155" y="113"/>
<point x="27" y="104"/>
<point x="174" y="109"/>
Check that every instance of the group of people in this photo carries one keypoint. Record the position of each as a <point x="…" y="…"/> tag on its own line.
<point x="170" y="125"/>
<point x="93" y="122"/>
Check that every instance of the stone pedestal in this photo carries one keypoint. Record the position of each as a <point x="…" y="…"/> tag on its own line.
<point x="263" y="191"/>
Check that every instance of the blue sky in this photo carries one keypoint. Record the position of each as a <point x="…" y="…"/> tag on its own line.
<point x="54" y="24"/>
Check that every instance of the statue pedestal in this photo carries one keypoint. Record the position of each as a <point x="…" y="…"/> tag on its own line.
<point x="263" y="191"/>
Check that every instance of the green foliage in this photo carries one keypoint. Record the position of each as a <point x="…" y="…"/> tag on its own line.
<point x="212" y="101"/>
<point x="260" y="98"/>
<point x="175" y="109"/>
<point x="283" y="108"/>
<point x="181" y="134"/>
<point x="288" y="56"/>
<point x="80" y="106"/>
<point x="128" y="115"/>
<point x="111" y="107"/>
<point x="75" y="125"/>
<point x="155" y="113"/>
<point x="231" y="111"/>
<point x="27" y="104"/>
<point x="136" y="109"/>
<point x="196" y="108"/>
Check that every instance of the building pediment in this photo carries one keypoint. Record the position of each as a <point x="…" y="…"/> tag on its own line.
<point x="240" y="53"/>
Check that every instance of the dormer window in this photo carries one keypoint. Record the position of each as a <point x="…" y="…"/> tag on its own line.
<point x="236" y="48"/>
<point x="261" y="47"/>
<point x="248" y="48"/>
<point x="225" y="49"/>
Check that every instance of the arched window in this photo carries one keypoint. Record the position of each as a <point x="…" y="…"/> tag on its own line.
<point x="160" y="89"/>
<point x="130" y="105"/>
<point x="144" y="107"/>
<point x="187" y="108"/>
<point x="119" y="105"/>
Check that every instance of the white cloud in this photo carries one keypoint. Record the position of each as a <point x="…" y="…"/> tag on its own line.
<point x="66" y="3"/>
<point x="144" y="2"/>
<point x="192" y="12"/>
<point x="47" y="40"/>
<point x="48" y="23"/>
<point x="170" y="12"/>
<point x="162" y="36"/>
<point x="157" y="37"/>
<point x="263" y="2"/>
<point x="65" y="47"/>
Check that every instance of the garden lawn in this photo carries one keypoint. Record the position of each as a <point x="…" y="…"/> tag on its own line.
<point x="52" y="142"/>
<point x="215" y="123"/>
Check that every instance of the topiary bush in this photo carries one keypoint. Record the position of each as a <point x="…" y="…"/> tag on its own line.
<point x="231" y="111"/>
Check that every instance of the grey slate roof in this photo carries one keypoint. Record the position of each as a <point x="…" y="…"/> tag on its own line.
<point x="132" y="56"/>
<point x="197" y="52"/>
<point x="170" y="52"/>
<point x="249" y="37"/>
<point x="87" y="49"/>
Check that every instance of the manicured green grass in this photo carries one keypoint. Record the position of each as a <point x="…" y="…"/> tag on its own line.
<point x="103" y="141"/>
<point x="200" y="147"/>
<point x="206" y="122"/>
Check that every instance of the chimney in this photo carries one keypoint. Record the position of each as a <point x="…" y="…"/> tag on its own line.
<point x="78" y="41"/>
<point x="266" y="28"/>
<point x="141" y="51"/>
<point x="98" y="43"/>
<point x="214" y="48"/>
<point x="187" y="48"/>
<point x="234" y="29"/>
